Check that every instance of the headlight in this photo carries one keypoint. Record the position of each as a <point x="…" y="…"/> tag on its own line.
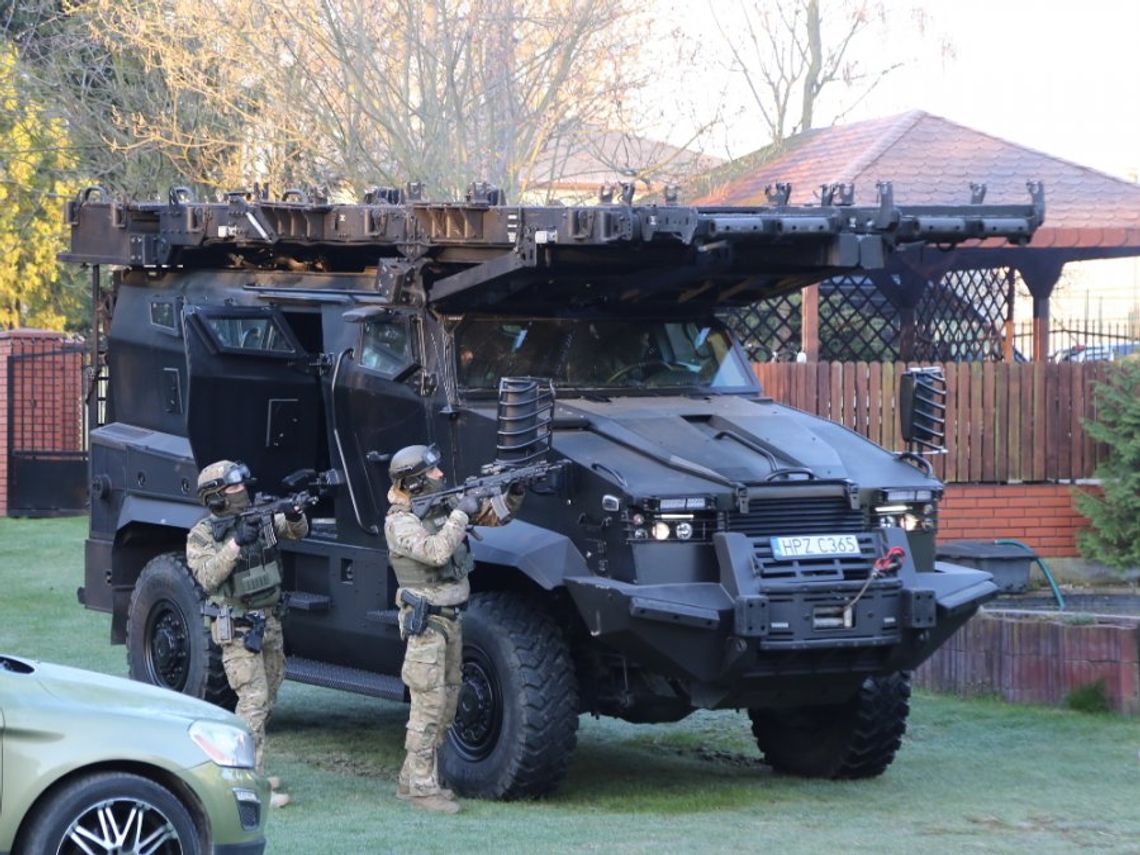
<point x="672" y="520"/>
<point x="919" y="511"/>
<point x="224" y="744"/>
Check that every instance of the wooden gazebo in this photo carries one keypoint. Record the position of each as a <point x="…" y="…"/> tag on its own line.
<point x="930" y="160"/>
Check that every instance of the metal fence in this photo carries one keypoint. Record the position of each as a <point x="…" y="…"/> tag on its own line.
<point x="46" y="438"/>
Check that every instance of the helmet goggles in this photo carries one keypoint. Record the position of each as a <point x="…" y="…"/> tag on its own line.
<point x="238" y="473"/>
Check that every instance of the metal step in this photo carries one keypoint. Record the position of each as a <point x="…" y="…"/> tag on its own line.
<point x="345" y="679"/>
<point x="306" y="602"/>
<point x="388" y="616"/>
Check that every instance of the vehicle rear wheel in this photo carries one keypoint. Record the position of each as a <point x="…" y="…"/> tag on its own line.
<point x="856" y="739"/>
<point x="517" y="721"/>
<point x="112" y="812"/>
<point x="167" y="643"/>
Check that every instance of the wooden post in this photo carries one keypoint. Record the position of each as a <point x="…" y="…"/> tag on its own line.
<point x="1007" y="342"/>
<point x="1040" y="328"/>
<point x="809" y="322"/>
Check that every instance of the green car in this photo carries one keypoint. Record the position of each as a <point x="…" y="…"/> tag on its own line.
<point x="98" y="764"/>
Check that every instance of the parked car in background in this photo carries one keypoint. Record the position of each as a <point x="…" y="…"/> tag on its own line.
<point x="97" y="764"/>
<point x="1097" y="352"/>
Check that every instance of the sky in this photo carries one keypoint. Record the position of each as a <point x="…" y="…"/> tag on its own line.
<point x="1060" y="77"/>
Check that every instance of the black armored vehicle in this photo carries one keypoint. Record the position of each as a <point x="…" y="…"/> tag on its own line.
<point x="701" y="547"/>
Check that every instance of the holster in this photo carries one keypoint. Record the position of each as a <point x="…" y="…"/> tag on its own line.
<point x="416" y="619"/>
<point x="253" y="638"/>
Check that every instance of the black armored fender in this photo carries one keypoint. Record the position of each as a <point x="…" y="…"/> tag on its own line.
<point x="543" y="556"/>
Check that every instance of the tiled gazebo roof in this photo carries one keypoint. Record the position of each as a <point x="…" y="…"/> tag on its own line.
<point x="931" y="160"/>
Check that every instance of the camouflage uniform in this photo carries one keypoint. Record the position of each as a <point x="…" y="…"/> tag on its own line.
<point x="431" y="560"/>
<point x="216" y="562"/>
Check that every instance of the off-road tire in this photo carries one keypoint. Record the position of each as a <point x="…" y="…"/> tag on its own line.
<point x="856" y="739"/>
<point x="106" y="805"/>
<point x="168" y="644"/>
<point x="517" y="722"/>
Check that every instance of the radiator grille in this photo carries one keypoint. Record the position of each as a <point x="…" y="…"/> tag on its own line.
<point x="773" y="517"/>
<point x="782" y="517"/>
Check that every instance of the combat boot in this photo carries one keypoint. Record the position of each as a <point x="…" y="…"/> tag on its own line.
<point x="403" y="793"/>
<point x="436" y="802"/>
<point x="279" y="800"/>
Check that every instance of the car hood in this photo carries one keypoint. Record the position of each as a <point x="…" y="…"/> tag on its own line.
<point x="738" y="439"/>
<point x="115" y="695"/>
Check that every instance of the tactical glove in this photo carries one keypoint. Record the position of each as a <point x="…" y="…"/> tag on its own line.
<point x="517" y="488"/>
<point x="295" y="514"/>
<point x="469" y="505"/>
<point x="248" y="531"/>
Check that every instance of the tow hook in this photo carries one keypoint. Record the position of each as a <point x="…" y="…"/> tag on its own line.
<point x="889" y="563"/>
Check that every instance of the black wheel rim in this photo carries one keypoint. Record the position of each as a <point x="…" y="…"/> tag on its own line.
<point x="121" y="825"/>
<point x="479" y="714"/>
<point x="167" y="646"/>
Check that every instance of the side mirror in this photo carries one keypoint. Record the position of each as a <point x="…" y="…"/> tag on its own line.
<point x="922" y="408"/>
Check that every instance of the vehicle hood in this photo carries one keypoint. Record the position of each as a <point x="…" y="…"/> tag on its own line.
<point x="734" y="438"/>
<point x="104" y="694"/>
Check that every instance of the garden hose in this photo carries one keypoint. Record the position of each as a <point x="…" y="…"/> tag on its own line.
<point x="1044" y="569"/>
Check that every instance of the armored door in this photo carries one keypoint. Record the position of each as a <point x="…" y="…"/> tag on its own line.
<point x="253" y="392"/>
<point x="377" y="384"/>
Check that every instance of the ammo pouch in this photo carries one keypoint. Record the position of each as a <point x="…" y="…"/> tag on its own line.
<point x="256" y="586"/>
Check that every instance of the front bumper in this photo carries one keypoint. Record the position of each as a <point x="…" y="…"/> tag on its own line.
<point x="751" y="628"/>
<point x="237" y="803"/>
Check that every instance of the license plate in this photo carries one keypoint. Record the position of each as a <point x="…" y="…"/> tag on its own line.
<point x="815" y="546"/>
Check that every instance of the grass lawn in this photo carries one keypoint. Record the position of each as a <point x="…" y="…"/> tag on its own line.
<point x="972" y="776"/>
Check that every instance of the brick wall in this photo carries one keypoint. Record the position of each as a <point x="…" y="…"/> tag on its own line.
<point x="41" y="401"/>
<point x="1039" y="660"/>
<point x="1042" y="516"/>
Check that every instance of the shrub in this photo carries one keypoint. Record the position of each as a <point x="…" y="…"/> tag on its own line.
<point x="1114" y="538"/>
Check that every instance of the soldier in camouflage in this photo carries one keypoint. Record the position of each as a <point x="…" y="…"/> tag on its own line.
<point x="235" y="560"/>
<point x="431" y="561"/>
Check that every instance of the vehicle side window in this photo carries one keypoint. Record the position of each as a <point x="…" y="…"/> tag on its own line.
<point x="260" y="333"/>
<point x="164" y="315"/>
<point x="386" y="345"/>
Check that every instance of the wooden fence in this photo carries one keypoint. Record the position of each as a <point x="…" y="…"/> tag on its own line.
<point x="1004" y="421"/>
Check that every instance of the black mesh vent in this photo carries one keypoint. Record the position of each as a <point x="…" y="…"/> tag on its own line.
<point x="249" y="813"/>
<point x="773" y="517"/>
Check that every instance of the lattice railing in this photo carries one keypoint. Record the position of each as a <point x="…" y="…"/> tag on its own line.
<point x="958" y="319"/>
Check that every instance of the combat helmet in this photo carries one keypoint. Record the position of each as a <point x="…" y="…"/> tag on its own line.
<point x="213" y="479"/>
<point x="410" y="465"/>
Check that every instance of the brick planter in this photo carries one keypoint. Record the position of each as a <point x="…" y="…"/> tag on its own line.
<point x="1039" y="658"/>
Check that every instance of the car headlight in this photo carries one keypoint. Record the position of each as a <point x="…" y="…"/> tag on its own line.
<point x="224" y="744"/>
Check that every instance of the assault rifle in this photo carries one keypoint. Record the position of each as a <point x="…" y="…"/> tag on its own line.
<point x="264" y="506"/>
<point x="495" y="479"/>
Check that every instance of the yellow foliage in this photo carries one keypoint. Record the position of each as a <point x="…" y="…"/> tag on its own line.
<point x="31" y="192"/>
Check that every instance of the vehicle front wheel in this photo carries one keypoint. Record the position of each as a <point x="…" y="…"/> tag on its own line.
<point x="855" y="739"/>
<point x="517" y="721"/>
<point x="168" y="645"/>
<point x="112" y="812"/>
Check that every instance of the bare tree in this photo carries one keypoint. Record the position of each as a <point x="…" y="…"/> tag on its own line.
<point x="789" y="51"/>
<point x="347" y="93"/>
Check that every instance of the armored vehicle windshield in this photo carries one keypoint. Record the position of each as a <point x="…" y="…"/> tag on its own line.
<point x="601" y="353"/>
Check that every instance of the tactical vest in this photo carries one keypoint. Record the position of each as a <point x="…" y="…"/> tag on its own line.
<point x="255" y="582"/>
<point x="411" y="573"/>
